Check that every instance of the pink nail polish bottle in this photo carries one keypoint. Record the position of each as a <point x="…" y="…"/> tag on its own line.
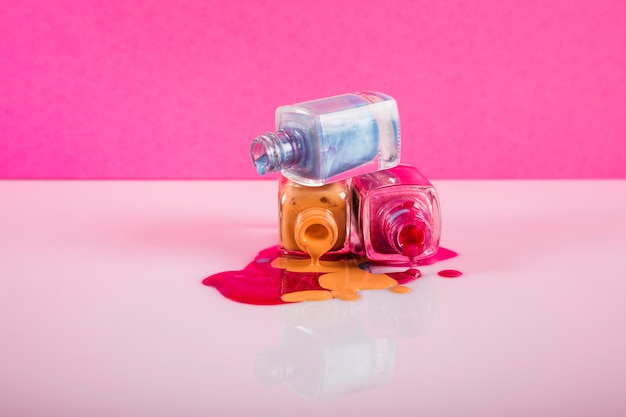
<point x="397" y="215"/>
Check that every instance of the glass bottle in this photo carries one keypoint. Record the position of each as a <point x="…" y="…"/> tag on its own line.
<point x="313" y="220"/>
<point x="398" y="215"/>
<point x="331" y="139"/>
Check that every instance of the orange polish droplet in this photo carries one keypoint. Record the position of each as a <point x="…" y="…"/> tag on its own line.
<point x="400" y="289"/>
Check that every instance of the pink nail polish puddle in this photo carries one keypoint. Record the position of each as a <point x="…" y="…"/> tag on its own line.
<point x="271" y="279"/>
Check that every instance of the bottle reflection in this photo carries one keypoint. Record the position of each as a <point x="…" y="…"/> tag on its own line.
<point x="334" y="348"/>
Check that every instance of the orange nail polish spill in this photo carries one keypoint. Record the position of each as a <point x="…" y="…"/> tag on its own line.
<point x="342" y="278"/>
<point x="274" y="279"/>
<point x="354" y="279"/>
<point x="308" y="295"/>
<point x="346" y="295"/>
<point x="305" y="265"/>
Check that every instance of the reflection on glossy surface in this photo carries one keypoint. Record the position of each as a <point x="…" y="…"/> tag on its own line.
<point x="103" y="312"/>
<point x="328" y="350"/>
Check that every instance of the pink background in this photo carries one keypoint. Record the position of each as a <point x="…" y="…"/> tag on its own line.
<point x="164" y="89"/>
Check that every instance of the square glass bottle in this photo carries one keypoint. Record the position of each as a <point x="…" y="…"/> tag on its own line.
<point x="397" y="214"/>
<point x="313" y="220"/>
<point x="331" y="139"/>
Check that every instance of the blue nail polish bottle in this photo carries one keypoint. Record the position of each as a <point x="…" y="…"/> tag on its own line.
<point x="331" y="139"/>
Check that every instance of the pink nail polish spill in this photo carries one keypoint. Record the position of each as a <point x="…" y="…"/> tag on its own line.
<point x="260" y="283"/>
<point x="449" y="273"/>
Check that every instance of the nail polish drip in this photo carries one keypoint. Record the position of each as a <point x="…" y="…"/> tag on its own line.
<point x="449" y="273"/>
<point x="411" y="240"/>
<point x="261" y="164"/>
<point x="317" y="241"/>
<point x="274" y="279"/>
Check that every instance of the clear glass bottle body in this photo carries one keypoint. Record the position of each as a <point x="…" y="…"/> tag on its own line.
<point x="331" y="139"/>
<point x="397" y="214"/>
<point x="321" y="213"/>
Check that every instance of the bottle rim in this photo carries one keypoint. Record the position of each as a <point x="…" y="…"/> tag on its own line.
<point x="321" y="219"/>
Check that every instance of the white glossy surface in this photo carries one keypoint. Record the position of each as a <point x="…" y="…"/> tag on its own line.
<point x="103" y="311"/>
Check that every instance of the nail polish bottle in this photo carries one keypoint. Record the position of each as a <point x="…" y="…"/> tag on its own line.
<point x="398" y="215"/>
<point x="331" y="139"/>
<point x="313" y="220"/>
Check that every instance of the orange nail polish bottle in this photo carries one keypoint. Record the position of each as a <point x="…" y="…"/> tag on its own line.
<point x="313" y="221"/>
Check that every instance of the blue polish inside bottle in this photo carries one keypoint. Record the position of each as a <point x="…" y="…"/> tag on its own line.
<point x="331" y="139"/>
<point x="261" y="164"/>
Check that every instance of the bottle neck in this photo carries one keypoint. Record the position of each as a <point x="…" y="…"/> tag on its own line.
<point x="275" y="366"/>
<point x="273" y="151"/>
<point x="407" y="231"/>
<point x="316" y="232"/>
